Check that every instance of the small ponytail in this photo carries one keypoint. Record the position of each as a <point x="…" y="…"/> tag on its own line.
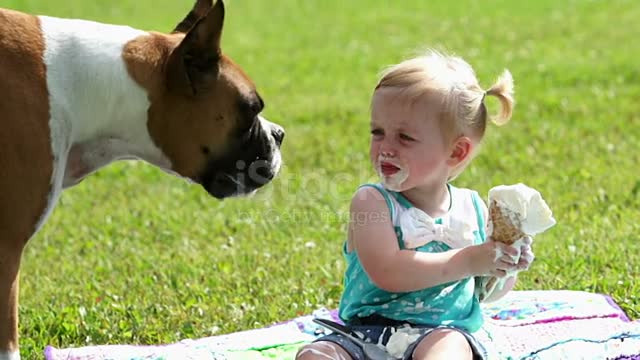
<point x="503" y="90"/>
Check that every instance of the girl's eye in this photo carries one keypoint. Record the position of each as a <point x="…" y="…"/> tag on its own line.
<point x="377" y="132"/>
<point x="406" y="137"/>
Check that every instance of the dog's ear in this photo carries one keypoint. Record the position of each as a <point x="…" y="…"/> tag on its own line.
<point x="193" y="64"/>
<point x="200" y="9"/>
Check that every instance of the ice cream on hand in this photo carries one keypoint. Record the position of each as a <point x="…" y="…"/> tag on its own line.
<point x="515" y="211"/>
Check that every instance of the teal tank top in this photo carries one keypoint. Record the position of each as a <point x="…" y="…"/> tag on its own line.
<point x="453" y="304"/>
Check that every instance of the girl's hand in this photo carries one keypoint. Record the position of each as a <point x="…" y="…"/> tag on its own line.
<point x="526" y="254"/>
<point x="494" y="258"/>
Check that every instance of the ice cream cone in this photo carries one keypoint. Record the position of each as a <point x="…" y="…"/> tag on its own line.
<point x="515" y="211"/>
<point x="505" y="227"/>
<point x="504" y="224"/>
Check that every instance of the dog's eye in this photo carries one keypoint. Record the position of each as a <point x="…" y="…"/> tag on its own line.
<point x="205" y="150"/>
<point x="255" y="108"/>
<point x="260" y="105"/>
<point x="252" y="106"/>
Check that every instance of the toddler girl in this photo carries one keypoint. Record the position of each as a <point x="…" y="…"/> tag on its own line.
<point x="416" y="244"/>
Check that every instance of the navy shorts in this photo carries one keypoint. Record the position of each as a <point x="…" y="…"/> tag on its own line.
<point x="374" y="333"/>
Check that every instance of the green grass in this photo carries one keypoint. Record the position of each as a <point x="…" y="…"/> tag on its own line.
<point x="134" y="256"/>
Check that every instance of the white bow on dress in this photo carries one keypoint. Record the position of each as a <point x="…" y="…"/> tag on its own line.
<point x="419" y="229"/>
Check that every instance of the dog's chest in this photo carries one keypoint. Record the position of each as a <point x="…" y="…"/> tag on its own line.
<point x="92" y="98"/>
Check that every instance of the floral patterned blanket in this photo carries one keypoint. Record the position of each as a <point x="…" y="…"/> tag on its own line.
<point x="523" y="325"/>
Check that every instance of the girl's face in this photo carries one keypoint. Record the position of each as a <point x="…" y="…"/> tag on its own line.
<point x="408" y="148"/>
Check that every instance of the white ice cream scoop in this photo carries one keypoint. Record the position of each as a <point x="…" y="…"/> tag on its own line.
<point x="523" y="206"/>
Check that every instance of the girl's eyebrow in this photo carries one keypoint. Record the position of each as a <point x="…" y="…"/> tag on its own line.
<point x="404" y="129"/>
<point x="409" y="127"/>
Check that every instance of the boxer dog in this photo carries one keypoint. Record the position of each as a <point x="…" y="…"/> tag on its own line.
<point x="76" y="95"/>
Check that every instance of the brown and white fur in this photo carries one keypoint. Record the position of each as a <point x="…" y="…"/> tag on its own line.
<point x="76" y="95"/>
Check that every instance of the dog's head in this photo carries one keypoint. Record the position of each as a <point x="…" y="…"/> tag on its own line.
<point x="206" y="118"/>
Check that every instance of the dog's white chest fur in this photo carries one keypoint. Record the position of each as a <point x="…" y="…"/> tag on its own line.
<point x="97" y="112"/>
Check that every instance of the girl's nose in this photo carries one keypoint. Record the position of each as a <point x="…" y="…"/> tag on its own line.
<point x="386" y="150"/>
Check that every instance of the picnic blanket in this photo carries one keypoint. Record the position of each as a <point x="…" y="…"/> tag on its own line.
<point x="522" y="325"/>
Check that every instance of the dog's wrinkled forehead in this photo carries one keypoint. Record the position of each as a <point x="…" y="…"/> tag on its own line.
<point x="192" y="128"/>
<point x="205" y="102"/>
<point x="204" y="112"/>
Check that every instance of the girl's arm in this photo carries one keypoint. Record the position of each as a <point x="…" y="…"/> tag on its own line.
<point x="372" y="236"/>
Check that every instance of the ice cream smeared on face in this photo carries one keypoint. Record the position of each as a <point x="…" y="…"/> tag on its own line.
<point x="516" y="211"/>
<point x="392" y="173"/>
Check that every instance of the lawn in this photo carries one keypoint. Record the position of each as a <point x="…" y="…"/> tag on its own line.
<point x="134" y="256"/>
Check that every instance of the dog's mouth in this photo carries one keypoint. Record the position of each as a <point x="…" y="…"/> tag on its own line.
<point x="249" y="162"/>
<point x="244" y="168"/>
<point x="225" y="185"/>
<point x="243" y="180"/>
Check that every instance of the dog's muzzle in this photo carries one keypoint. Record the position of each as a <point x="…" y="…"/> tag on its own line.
<point x="249" y="164"/>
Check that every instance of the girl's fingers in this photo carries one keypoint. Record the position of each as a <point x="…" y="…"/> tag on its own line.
<point x="527" y="240"/>
<point x="507" y="260"/>
<point x="506" y="265"/>
<point x="525" y="260"/>
<point x="508" y="249"/>
<point x="528" y="256"/>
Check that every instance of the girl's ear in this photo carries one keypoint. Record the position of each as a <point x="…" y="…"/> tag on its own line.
<point x="460" y="151"/>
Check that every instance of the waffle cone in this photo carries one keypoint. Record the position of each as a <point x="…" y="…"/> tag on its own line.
<point x="504" y="229"/>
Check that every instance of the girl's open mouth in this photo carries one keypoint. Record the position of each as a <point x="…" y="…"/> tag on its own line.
<point x="388" y="169"/>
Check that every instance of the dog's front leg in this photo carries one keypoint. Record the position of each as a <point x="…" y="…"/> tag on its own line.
<point x="9" y="276"/>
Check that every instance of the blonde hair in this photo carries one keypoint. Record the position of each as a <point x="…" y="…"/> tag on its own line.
<point x="452" y="79"/>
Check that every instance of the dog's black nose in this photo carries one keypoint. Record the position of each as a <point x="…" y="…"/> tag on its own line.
<point x="278" y="134"/>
